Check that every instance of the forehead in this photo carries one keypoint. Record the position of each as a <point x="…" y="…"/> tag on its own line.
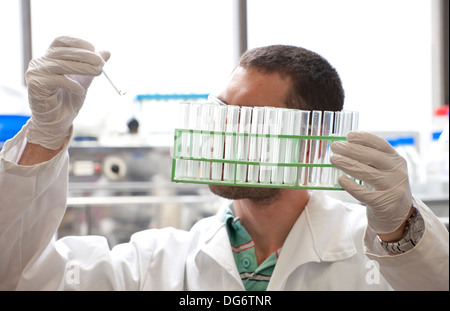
<point x="251" y="87"/>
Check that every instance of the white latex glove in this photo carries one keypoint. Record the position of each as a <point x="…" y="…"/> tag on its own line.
<point x="57" y="85"/>
<point x="372" y="159"/>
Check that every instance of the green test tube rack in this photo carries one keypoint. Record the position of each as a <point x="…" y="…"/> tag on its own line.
<point x="258" y="146"/>
<point x="183" y="177"/>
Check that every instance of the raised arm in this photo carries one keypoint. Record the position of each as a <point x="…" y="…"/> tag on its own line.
<point x="57" y="85"/>
<point x="33" y="181"/>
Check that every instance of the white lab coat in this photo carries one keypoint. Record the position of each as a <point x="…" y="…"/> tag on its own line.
<point x="329" y="247"/>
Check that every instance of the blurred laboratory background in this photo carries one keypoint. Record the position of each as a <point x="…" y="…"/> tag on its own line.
<point x="392" y="56"/>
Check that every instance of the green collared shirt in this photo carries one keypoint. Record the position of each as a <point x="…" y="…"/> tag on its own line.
<point x="254" y="277"/>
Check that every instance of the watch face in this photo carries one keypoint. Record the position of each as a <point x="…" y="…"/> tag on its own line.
<point x="417" y="229"/>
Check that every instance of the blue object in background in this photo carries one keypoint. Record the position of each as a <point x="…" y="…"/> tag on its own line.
<point x="174" y="96"/>
<point x="10" y="125"/>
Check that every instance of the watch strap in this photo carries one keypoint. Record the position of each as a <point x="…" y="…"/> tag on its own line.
<point x="407" y="242"/>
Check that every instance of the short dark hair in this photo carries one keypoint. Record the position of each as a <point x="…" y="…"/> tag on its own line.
<point x="315" y="84"/>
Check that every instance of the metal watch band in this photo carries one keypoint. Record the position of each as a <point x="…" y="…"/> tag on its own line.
<point x="407" y="242"/>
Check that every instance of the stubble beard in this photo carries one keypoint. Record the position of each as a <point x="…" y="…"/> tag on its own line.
<point x="255" y="194"/>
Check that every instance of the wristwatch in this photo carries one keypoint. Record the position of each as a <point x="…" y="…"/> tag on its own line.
<point x="415" y="226"/>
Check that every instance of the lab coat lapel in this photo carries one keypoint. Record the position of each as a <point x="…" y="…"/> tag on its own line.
<point x="320" y="234"/>
<point x="217" y="245"/>
<point x="218" y="248"/>
<point x="329" y="221"/>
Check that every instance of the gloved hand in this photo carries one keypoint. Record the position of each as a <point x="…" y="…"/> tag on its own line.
<point x="57" y="85"/>
<point x="372" y="159"/>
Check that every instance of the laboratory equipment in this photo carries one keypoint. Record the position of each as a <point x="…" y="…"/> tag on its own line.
<point x="327" y="130"/>
<point x="183" y="144"/>
<point x="230" y="142"/>
<point x="243" y="143"/>
<point x="314" y="146"/>
<point x="344" y="122"/>
<point x="263" y="146"/>
<point x="115" y="191"/>
<point x="220" y="112"/>
<point x="208" y="125"/>
<point x="267" y="144"/>
<point x="281" y="127"/>
<point x="256" y="129"/>
<point x="296" y="149"/>
<point x="118" y="90"/>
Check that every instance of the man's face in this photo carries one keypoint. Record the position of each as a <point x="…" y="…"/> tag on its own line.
<point x="249" y="87"/>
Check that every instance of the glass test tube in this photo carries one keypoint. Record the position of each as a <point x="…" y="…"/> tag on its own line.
<point x="195" y="152"/>
<point x="267" y="144"/>
<point x="279" y="144"/>
<point x="243" y="143"/>
<point x="292" y="145"/>
<point x="355" y="121"/>
<point x="219" y="112"/>
<point x="303" y="146"/>
<point x="207" y="124"/>
<point x="254" y="154"/>
<point x="314" y="144"/>
<point x="327" y="130"/>
<point x="230" y="142"/>
<point x="347" y="121"/>
<point x="182" y="143"/>
<point x="335" y="173"/>
<point x="344" y="122"/>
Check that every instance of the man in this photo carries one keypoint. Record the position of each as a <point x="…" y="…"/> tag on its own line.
<point x="264" y="239"/>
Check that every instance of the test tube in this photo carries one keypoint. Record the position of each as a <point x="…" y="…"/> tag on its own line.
<point x="314" y="145"/>
<point x="267" y="144"/>
<point x="230" y="142"/>
<point x="292" y="145"/>
<point x="344" y="122"/>
<point x="354" y="127"/>
<point x="327" y="130"/>
<point x="243" y="143"/>
<point x="355" y="121"/>
<point x="219" y="112"/>
<point x="347" y="121"/>
<point x="195" y="152"/>
<point x="254" y="153"/>
<point x="282" y="127"/>
<point x="335" y="173"/>
<point x="207" y="122"/>
<point x="182" y="142"/>
<point x="303" y="146"/>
